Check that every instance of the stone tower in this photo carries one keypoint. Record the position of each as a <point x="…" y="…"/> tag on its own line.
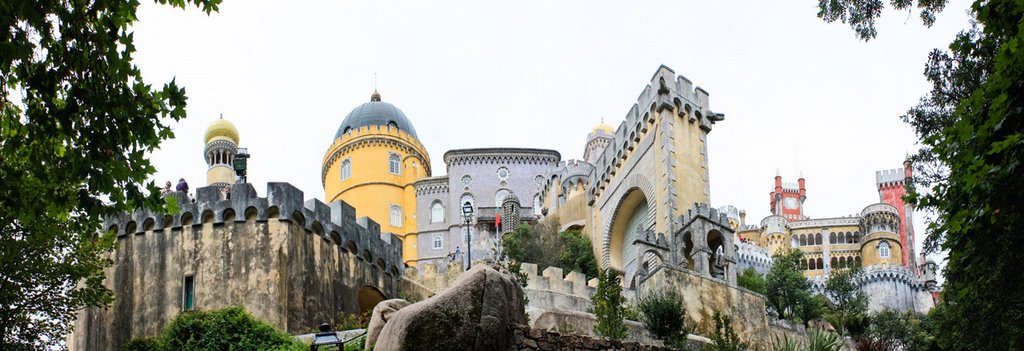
<point x="892" y="186"/>
<point x="221" y="146"/>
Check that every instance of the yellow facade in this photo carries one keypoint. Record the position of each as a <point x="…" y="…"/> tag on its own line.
<point x="372" y="189"/>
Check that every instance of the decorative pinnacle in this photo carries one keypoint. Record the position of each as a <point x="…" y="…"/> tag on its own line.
<point x="375" y="96"/>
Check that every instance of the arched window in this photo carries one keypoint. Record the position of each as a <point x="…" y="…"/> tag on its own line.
<point x="465" y="198"/>
<point x="438" y="242"/>
<point x="832" y="238"/>
<point x="436" y="212"/>
<point x="803" y="240"/>
<point x="395" y="164"/>
<point x="849" y="238"/>
<point x="392" y="124"/>
<point x="883" y="249"/>
<point x="810" y="264"/>
<point x="856" y="237"/>
<point x="835" y="262"/>
<point x="499" y="197"/>
<point x="346" y="169"/>
<point x="819" y="264"/>
<point x="817" y="239"/>
<point x="536" y="205"/>
<point x="396" y="216"/>
<point x="842" y="262"/>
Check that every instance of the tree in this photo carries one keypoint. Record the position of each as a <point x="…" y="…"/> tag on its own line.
<point x="608" y="309"/>
<point x="663" y="314"/>
<point x="577" y="253"/>
<point x="724" y="337"/>
<point x="752" y="281"/>
<point x="897" y="330"/>
<point x="788" y="290"/>
<point x="76" y="123"/>
<point x="971" y="130"/>
<point x="848" y="301"/>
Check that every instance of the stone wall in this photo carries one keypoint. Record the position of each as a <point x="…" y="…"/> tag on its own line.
<point x="704" y="296"/>
<point x="552" y="289"/>
<point x="540" y="339"/>
<point x="292" y="265"/>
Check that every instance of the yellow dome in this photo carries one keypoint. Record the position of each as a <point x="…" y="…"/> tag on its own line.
<point x="603" y="127"/>
<point x="221" y="129"/>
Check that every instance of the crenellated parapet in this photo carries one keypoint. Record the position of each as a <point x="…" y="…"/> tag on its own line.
<point x="335" y="223"/>
<point x="432" y="185"/>
<point x="709" y="213"/>
<point x="774" y="225"/>
<point x="667" y="91"/>
<point x="749" y="255"/>
<point x="878" y="274"/>
<point x="374" y="135"/>
<point x="880" y="217"/>
<point x="890" y="178"/>
<point x="553" y="289"/>
<point x="566" y="175"/>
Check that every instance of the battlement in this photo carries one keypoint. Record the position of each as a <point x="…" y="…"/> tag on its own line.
<point x="775" y="224"/>
<point x="890" y="177"/>
<point x="878" y="274"/>
<point x="751" y="255"/>
<point x="552" y="279"/>
<point x="335" y="223"/>
<point x="706" y="211"/>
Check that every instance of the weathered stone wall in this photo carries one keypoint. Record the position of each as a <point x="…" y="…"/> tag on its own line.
<point x="540" y="339"/>
<point x="704" y="296"/>
<point x="288" y="264"/>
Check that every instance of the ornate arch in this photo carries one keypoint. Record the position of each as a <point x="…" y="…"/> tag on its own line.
<point x="633" y="182"/>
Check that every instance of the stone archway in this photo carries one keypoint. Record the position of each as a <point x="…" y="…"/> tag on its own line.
<point x="632" y="217"/>
<point x="368" y="297"/>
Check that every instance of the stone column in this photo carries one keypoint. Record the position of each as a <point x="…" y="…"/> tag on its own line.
<point x="700" y="261"/>
<point x="826" y="258"/>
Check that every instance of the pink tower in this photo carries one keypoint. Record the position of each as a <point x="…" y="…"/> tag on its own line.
<point x="892" y="185"/>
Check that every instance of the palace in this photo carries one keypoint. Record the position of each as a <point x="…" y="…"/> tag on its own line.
<point x="641" y="193"/>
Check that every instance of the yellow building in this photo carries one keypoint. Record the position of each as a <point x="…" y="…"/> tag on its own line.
<point x="372" y="164"/>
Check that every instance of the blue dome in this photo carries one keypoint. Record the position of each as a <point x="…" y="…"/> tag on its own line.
<point x="376" y="113"/>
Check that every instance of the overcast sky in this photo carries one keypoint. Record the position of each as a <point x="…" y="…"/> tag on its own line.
<point x="799" y="95"/>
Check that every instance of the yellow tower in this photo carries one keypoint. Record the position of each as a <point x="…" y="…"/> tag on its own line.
<point x="221" y="146"/>
<point x="372" y="164"/>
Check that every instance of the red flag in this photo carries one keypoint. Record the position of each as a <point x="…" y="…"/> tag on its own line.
<point x="497" y="219"/>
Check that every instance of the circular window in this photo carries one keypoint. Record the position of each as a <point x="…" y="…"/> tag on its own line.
<point x="539" y="180"/>
<point x="503" y="173"/>
<point x="466" y="180"/>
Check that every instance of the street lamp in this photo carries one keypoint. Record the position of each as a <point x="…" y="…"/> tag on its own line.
<point x="467" y="215"/>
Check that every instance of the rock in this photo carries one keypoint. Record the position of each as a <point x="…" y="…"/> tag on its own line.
<point x="382" y="313"/>
<point x="477" y="312"/>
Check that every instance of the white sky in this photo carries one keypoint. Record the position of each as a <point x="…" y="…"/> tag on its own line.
<point x="798" y="94"/>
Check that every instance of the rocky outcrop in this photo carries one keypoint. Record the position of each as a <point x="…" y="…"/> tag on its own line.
<point x="478" y="312"/>
<point x="382" y="313"/>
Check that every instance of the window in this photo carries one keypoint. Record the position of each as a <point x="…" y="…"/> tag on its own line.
<point x="395" y="164"/>
<point x="436" y="212"/>
<point x="536" y="205"/>
<point x="883" y="250"/>
<point x="346" y="169"/>
<point x="466" y="198"/>
<point x="499" y="197"/>
<point x="188" y="296"/>
<point x="466" y="180"/>
<point x="438" y="243"/>
<point x="396" y="216"/>
<point x="503" y="173"/>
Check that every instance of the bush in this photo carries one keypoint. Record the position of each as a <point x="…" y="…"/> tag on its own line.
<point x="349" y="321"/>
<point x="230" y="328"/>
<point x="608" y="307"/>
<point x="577" y="253"/>
<point x="724" y="338"/>
<point x="752" y="281"/>
<point x="823" y="340"/>
<point x="543" y="245"/>
<point x="663" y="314"/>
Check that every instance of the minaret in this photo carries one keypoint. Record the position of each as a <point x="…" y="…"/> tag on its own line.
<point x="221" y="146"/>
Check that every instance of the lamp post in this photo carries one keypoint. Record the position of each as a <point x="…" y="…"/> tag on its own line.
<point x="467" y="215"/>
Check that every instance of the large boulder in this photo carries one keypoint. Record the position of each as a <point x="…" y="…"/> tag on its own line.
<point x="382" y="313"/>
<point x="478" y="312"/>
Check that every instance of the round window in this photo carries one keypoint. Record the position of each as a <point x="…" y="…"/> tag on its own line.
<point x="503" y="173"/>
<point x="466" y="180"/>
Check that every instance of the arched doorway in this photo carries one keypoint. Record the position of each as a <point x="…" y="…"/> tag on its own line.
<point x="629" y="223"/>
<point x="368" y="297"/>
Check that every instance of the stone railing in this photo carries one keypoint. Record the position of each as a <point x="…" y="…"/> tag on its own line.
<point x="825" y="222"/>
<point x="553" y="289"/>
<point x="879" y="207"/>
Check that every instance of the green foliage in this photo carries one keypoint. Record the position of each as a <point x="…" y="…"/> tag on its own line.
<point x="901" y="330"/>
<point x="788" y="291"/>
<point x="577" y="253"/>
<point x="76" y="123"/>
<point x="543" y="245"/>
<point x="608" y="306"/>
<point x="861" y="14"/>
<point x="724" y="337"/>
<point x="823" y="340"/>
<point x="786" y="344"/>
<point x="349" y="321"/>
<point x="357" y="344"/>
<point x="752" y="281"/>
<point x="971" y="131"/>
<point x="664" y="316"/>
<point x="229" y="328"/>
<point x="848" y="301"/>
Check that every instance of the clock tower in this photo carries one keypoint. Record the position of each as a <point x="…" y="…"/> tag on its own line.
<point x="787" y="199"/>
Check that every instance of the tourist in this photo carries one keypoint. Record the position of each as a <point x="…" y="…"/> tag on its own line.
<point x="182" y="185"/>
<point x="166" y="190"/>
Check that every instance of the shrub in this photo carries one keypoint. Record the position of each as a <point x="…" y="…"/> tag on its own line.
<point x="752" y="281"/>
<point x="724" y="338"/>
<point x="823" y="340"/>
<point x="608" y="307"/>
<point x="663" y="314"/>
<point x="577" y="253"/>
<point x="348" y="321"/>
<point x="230" y="328"/>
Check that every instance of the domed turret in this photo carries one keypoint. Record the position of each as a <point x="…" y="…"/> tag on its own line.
<point x="376" y="113"/>
<point x="598" y="139"/>
<point x="221" y="147"/>
<point x="221" y="129"/>
<point x="602" y="127"/>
